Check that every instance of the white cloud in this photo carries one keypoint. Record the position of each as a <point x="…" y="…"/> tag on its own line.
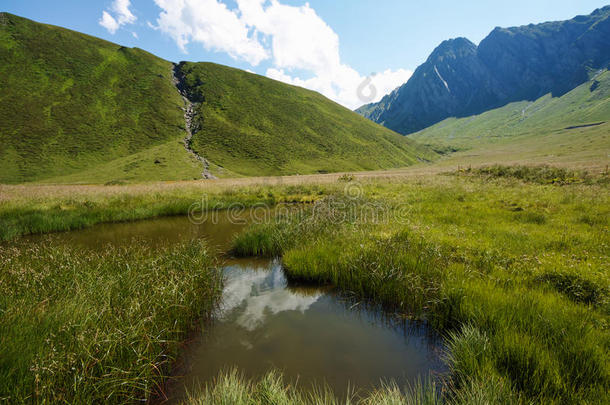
<point x="295" y="38"/>
<point x="109" y="22"/>
<point x="212" y="24"/>
<point x="389" y="80"/>
<point x="274" y="302"/>
<point x="122" y="16"/>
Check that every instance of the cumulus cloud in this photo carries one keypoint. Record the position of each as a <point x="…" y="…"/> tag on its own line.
<point x="109" y="22"/>
<point x="212" y="24"/>
<point x="294" y="39"/>
<point x="122" y="16"/>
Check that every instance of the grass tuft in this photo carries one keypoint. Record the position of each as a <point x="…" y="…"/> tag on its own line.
<point x="86" y="327"/>
<point x="232" y="388"/>
<point x="532" y="174"/>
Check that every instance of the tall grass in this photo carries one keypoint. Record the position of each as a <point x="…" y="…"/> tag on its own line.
<point x="90" y="327"/>
<point x="535" y="174"/>
<point x="231" y="388"/>
<point x="513" y="273"/>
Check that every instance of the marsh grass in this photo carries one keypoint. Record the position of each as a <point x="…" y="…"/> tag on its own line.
<point x="232" y="388"/>
<point x="36" y="213"/>
<point x="514" y="274"/>
<point x="508" y="271"/>
<point x="90" y="327"/>
<point x="540" y="174"/>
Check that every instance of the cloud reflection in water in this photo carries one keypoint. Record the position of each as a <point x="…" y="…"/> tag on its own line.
<point x="252" y="294"/>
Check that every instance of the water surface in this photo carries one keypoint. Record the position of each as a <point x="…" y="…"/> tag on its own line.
<point x="314" y="335"/>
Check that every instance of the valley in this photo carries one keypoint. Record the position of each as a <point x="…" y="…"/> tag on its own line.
<point x="193" y="233"/>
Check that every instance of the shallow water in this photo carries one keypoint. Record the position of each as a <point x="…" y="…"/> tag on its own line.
<point x="314" y="335"/>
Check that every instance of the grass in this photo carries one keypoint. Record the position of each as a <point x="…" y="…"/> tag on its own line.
<point x="252" y="126"/>
<point x="542" y="174"/>
<point x="31" y="210"/>
<point x="97" y="327"/>
<point x="232" y="388"/>
<point x="508" y="262"/>
<point x="550" y="130"/>
<point x="166" y="161"/>
<point x="509" y="267"/>
<point x="513" y="273"/>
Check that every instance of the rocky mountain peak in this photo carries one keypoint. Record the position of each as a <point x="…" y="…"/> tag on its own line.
<point x="511" y="64"/>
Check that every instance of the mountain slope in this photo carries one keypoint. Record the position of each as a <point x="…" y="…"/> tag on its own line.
<point x="252" y="125"/>
<point x="74" y="108"/>
<point x="69" y="102"/>
<point x="460" y="79"/>
<point x="573" y="126"/>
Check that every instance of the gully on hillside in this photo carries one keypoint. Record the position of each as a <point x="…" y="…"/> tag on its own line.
<point x="189" y="115"/>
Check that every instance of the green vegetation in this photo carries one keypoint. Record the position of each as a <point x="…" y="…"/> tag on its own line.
<point x="71" y="103"/>
<point x="571" y="129"/>
<point x="509" y="263"/>
<point x="253" y="126"/>
<point x="509" y="266"/>
<point x="232" y="388"/>
<point x="67" y="209"/>
<point x="97" y="327"/>
<point x="76" y="109"/>
<point x="515" y="274"/>
<point x="535" y="174"/>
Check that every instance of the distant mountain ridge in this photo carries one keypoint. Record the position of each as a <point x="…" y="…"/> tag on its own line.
<point x="460" y="79"/>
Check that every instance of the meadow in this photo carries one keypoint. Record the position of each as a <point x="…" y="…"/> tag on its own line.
<point x="250" y="125"/>
<point x="509" y="264"/>
<point x="513" y="273"/>
<point x="78" y="109"/>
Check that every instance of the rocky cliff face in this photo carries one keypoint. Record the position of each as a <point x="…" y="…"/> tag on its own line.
<point x="511" y="64"/>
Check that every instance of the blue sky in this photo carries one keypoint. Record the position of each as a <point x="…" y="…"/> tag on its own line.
<point x="327" y="45"/>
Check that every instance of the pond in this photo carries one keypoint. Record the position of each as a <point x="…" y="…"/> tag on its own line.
<point x="313" y="335"/>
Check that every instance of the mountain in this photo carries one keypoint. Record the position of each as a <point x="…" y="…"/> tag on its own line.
<point x="74" y="108"/>
<point x="573" y="128"/>
<point x="460" y="79"/>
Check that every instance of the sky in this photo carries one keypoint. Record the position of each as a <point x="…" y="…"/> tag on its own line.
<point x="352" y="51"/>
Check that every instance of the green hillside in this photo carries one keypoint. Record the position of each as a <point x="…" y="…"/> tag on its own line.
<point x="70" y="102"/>
<point x="74" y="108"/>
<point x="252" y="125"/>
<point x="574" y="126"/>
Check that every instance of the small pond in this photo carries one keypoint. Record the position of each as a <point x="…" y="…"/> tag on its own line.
<point x="314" y="335"/>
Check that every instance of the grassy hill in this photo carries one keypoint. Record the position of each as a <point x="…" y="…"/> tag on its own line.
<point x="74" y="108"/>
<point x="71" y="103"/>
<point x="252" y="125"/>
<point x="574" y="128"/>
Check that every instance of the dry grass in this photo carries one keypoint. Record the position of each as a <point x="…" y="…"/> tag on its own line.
<point x="43" y="191"/>
<point x="474" y="159"/>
